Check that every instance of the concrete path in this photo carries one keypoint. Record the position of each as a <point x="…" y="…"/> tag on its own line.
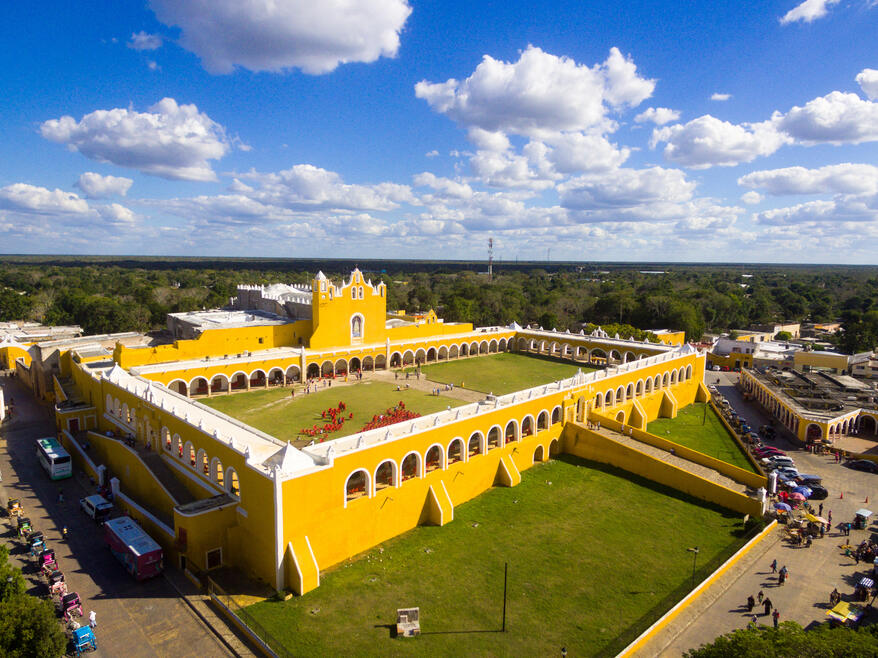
<point x="424" y="384"/>
<point x="814" y="572"/>
<point x="134" y="618"/>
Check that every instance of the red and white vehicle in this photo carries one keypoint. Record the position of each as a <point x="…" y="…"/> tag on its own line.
<point x="136" y="550"/>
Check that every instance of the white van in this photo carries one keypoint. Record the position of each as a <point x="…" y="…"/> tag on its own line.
<point x="96" y="507"/>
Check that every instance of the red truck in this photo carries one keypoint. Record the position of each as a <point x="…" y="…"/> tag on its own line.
<point x="136" y="550"/>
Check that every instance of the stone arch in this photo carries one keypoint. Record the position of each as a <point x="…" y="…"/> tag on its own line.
<point x="434" y="460"/>
<point x="599" y="354"/>
<point x="124" y="413"/>
<point x="326" y="369"/>
<point x="442" y="355"/>
<point x="814" y="432"/>
<point x="368" y="364"/>
<point x="395" y="360"/>
<point x="554" y="447"/>
<point x="598" y="401"/>
<point x="386" y="475"/>
<point x="681" y="375"/>
<point x="178" y="386"/>
<point x="239" y="381"/>
<point x="475" y="445"/>
<point x="189" y="454"/>
<point x="538" y="454"/>
<point x="411" y="466"/>
<point x="495" y="435"/>
<point x="219" y="384"/>
<point x="166" y="438"/>
<point x="629" y="391"/>
<point x="658" y="383"/>
<point x="216" y="472"/>
<point x="621" y="416"/>
<point x="453" y="352"/>
<point x="380" y="362"/>
<point x="503" y="345"/>
<point x="455" y="451"/>
<point x="258" y="378"/>
<point x="177" y="446"/>
<point x="666" y="378"/>
<point x="408" y="358"/>
<point x="341" y="367"/>
<point x="628" y="356"/>
<point x="355" y="365"/>
<point x="276" y="377"/>
<point x="689" y="372"/>
<point x="431" y="354"/>
<point x="512" y="432"/>
<point x="420" y="355"/>
<point x="473" y="348"/>
<point x="492" y="346"/>
<point x="233" y="485"/>
<point x="556" y="414"/>
<point x="522" y="344"/>
<point x="620" y="395"/>
<point x="638" y="388"/>
<point x="615" y="356"/>
<point x="543" y="420"/>
<point x="109" y="404"/>
<point x="201" y="463"/>
<point x="648" y="385"/>
<point x="867" y="425"/>
<point x="293" y="374"/>
<point x="357" y="485"/>
<point x="609" y="398"/>
<point x="464" y="350"/>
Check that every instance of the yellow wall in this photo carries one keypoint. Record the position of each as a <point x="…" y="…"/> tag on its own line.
<point x="9" y="354"/>
<point x="672" y="338"/>
<point x="215" y="342"/>
<point x="333" y="307"/>
<point x="582" y="442"/>
<point x="821" y="360"/>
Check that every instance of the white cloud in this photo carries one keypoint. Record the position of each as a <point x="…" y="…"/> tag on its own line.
<point x="657" y="115"/>
<point x="539" y="93"/>
<point x="720" y="97"/>
<point x="432" y="154"/>
<point x="837" y="118"/>
<point x="275" y="36"/>
<point x="444" y="186"/>
<point x="752" y="197"/>
<point x="153" y="66"/>
<point x="572" y="153"/>
<point x="868" y="81"/>
<point x="807" y="11"/>
<point x="145" y="41"/>
<point x="708" y="141"/>
<point x="96" y="186"/>
<point x="813" y="211"/>
<point x="170" y="140"/>
<point x="626" y="188"/>
<point x="31" y="199"/>
<point x="306" y="187"/>
<point x="847" y="178"/>
<point x="116" y="214"/>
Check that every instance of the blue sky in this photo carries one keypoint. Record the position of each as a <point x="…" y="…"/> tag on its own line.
<point x="671" y="131"/>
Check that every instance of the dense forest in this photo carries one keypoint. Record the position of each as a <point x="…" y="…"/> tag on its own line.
<point x="106" y="295"/>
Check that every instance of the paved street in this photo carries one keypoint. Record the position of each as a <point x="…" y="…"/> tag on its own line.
<point x="813" y="572"/>
<point x="134" y="619"/>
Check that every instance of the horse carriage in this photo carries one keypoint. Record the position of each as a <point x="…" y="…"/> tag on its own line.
<point x="14" y="508"/>
<point x="69" y="605"/>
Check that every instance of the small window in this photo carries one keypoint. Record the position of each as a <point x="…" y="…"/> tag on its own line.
<point x="261" y="340"/>
<point x="214" y="558"/>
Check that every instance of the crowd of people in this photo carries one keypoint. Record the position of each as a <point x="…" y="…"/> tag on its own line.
<point x="391" y="416"/>
<point x="335" y="418"/>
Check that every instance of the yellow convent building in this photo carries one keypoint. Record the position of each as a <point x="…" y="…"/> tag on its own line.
<point x="214" y="491"/>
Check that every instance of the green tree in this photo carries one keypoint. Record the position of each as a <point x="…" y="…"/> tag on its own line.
<point x="790" y="640"/>
<point x="28" y="628"/>
<point x="12" y="582"/>
<point x="13" y="305"/>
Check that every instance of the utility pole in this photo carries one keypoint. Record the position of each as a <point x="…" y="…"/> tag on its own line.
<point x="490" y="259"/>
<point x="505" y="575"/>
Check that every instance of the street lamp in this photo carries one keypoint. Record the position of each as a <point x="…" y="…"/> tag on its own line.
<point x="694" y="552"/>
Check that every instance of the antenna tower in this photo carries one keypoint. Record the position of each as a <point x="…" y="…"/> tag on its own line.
<point x="490" y="259"/>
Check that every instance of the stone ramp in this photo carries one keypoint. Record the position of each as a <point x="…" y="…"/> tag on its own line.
<point x="675" y="460"/>
<point x="164" y="474"/>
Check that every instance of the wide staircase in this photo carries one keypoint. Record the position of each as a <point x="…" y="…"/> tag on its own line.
<point x="164" y="474"/>
<point x="675" y="460"/>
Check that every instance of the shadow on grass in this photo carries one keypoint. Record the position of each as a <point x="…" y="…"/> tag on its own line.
<point x="739" y="536"/>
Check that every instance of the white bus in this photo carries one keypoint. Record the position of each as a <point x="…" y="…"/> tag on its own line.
<point x="54" y="459"/>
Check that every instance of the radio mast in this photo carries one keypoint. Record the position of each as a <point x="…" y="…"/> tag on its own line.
<point x="490" y="259"/>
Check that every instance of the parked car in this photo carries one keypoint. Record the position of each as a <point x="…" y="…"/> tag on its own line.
<point x="863" y="465"/>
<point x="771" y="450"/>
<point x="779" y="460"/>
<point x="768" y="431"/>
<point x="716" y="368"/>
<point x="96" y="507"/>
<point x="818" y="492"/>
<point x="789" y="471"/>
<point x="808" y="479"/>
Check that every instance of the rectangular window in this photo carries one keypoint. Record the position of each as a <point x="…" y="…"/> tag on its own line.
<point x="214" y="558"/>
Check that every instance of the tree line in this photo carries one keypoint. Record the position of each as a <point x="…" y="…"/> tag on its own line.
<point x="108" y="296"/>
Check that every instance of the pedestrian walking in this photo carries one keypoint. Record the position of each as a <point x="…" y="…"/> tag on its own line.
<point x="820" y="510"/>
<point x="829" y="518"/>
<point x="64" y="532"/>
<point x="92" y="619"/>
<point x="60" y="496"/>
<point x="750" y="603"/>
<point x="775" y="616"/>
<point x="766" y="604"/>
<point x="760" y="596"/>
<point x="774" y="566"/>
<point x="780" y="579"/>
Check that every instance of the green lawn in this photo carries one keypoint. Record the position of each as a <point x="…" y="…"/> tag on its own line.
<point x="501" y="373"/>
<point x="711" y="437"/>
<point x="595" y="556"/>
<point x="276" y="413"/>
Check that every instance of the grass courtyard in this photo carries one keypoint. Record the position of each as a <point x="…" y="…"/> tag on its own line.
<point x="501" y="373"/>
<point x="709" y="436"/>
<point x="595" y="556"/>
<point x="276" y="413"/>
